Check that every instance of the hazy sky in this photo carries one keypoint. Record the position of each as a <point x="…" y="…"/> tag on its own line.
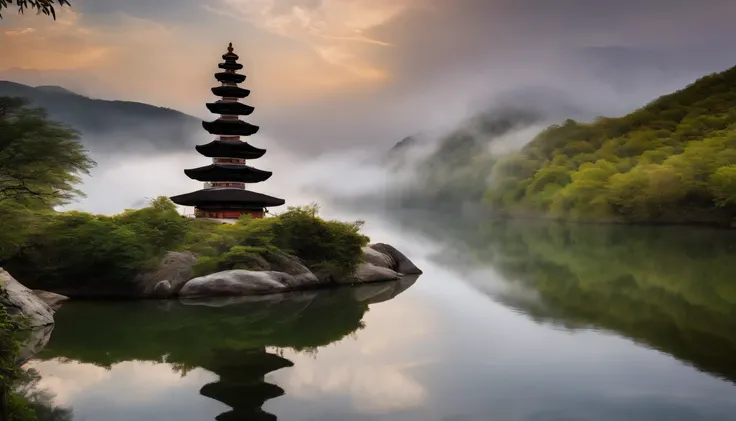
<point x="345" y="73"/>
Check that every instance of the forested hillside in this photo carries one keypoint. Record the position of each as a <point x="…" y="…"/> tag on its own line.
<point x="454" y="170"/>
<point x="673" y="160"/>
<point x="111" y="125"/>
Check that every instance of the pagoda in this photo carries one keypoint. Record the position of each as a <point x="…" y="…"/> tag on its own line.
<point x="224" y="195"/>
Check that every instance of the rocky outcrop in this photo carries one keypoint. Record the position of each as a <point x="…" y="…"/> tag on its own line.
<point x="20" y="300"/>
<point x="175" y="268"/>
<point x="402" y="264"/>
<point x="52" y="299"/>
<point x="291" y="265"/>
<point x="368" y="272"/>
<point x="244" y="282"/>
<point x="382" y="263"/>
<point x="378" y="258"/>
<point x="162" y="289"/>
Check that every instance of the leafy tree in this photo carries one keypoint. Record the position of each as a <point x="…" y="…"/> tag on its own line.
<point x="723" y="185"/>
<point x="670" y="161"/>
<point x="40" y="160"/>
<point x="47" y="7"/>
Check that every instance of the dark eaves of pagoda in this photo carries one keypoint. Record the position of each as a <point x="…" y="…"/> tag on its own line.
<point x="229" y="127"/>
<point x="230" y="91"/>
<point x="228" y="172"/>
<point x="227" y="195"/>
<point x="229" y="77"/>
<point x="230" y="149"/>
<point x="229" y="107"/>
<point x="230" y="65"/>
<point x="230" y="55"/>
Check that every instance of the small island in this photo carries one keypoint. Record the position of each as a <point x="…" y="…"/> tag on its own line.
<point x="228" y="248"/>
<point x="231" y="247"/>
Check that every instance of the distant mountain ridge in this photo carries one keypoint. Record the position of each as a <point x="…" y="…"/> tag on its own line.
<point x="112" y="125"/>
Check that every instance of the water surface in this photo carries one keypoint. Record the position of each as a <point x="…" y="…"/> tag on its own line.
<point x="532" y="321"/>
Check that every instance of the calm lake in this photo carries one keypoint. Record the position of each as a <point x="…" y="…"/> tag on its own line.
<point x="511" y="321"/>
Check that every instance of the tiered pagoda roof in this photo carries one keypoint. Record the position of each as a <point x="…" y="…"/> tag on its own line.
<point x="226" y="196"/>
<point x="232" y="149"/>
<point x="227" y="172"/>
<point x="223" y="126"/>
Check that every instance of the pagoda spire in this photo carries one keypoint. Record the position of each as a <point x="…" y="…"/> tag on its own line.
<point x="224" y="195"/>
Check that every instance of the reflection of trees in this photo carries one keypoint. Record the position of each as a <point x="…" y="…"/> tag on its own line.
<point x="671" y="288"/>
<point x="227" y="336"/>
<point x="30" y="403"/>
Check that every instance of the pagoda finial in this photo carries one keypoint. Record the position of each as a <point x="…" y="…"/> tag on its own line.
<point x="230" y="48"/>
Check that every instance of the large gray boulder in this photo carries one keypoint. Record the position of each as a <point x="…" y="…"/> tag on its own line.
<point x="291" y="265"/>
<point x="53" y="300"/>
<point x="402" y="263"/>
<point x="244" y="282"/>
<point x="367" y="272"/>
<point x="175" y="267"/>
<point x="162" y="289"/>
<point x="377" y="258"/>
<point x="20" y="300"/>
<point x="278" y="273"/>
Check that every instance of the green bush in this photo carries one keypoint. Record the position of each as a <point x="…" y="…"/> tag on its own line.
<point x="77" y="252"/>
<point x="13" y="407"/>
<point x="319" y="243"/>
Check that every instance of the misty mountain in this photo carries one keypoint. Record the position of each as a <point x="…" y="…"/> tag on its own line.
<point x="112" y="125"/>
<point x="507" y="111"/>
<point x="450" y="171"/>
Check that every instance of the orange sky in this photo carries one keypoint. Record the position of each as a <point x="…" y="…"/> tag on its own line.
<point x="331" y="73"/>
<point x="293" y="56"/>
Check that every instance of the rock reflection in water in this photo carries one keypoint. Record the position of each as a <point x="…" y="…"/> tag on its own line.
<point x="238" y="338"/>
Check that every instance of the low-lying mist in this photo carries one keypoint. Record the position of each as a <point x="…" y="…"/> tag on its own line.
<point x="408" y="175"/>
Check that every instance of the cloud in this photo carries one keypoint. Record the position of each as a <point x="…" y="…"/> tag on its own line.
<point x="334" y="29"/>
<point x="130" y="382"/>
<point x="331" y="74"/>
<point x="389" y="354"/>
<point x="18" y="32"/>
<point x="46" y="44"/>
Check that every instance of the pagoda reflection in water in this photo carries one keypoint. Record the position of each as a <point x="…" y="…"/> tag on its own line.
<point x="238" y="339"/>
<point x="242" y="385"/>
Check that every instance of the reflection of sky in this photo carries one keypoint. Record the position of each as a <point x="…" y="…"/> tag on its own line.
<point x="131" y="390"/>
<point x="439" y="351"/>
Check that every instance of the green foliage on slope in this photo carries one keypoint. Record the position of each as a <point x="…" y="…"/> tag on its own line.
<point x="673" y="160"/>
<point x="78" y="253"/>
<point x="40" y="160"/>
<point x="13" y="406"/>
<point x="457" y="171"/>
<point x="321" y="244"/>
